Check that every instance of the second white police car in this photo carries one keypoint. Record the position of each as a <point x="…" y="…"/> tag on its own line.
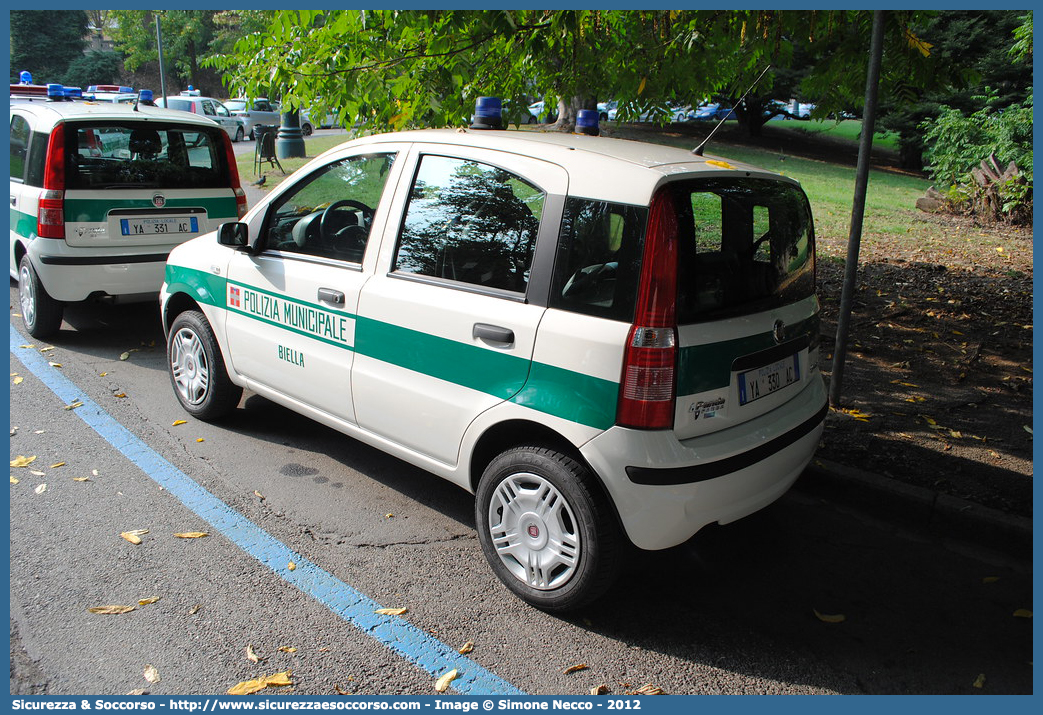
<point x="606" y="341"/>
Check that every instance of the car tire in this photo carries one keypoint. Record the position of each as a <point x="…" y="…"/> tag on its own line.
<point x="306" y="129"/>
<point x="547" y="529"/>
<point x="197" y="370"/>
<point x="239" y="135"/>
<point x="41" y="314"/>
<point x="531" y="120"/>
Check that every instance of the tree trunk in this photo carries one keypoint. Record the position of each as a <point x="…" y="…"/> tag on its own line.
<point x="567" y="112"/>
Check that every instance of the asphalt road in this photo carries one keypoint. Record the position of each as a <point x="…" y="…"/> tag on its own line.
<point x="733" y="611"/>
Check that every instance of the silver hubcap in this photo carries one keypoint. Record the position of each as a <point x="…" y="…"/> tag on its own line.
<point x="534" y="531"/>
<point x="27" y="294"/>
<point x="189" y="366"/>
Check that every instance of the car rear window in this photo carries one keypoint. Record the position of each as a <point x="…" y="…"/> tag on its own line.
<point x="127" y="155"/>
<point x="183" y="105"/>
<point x="745" y="245"/>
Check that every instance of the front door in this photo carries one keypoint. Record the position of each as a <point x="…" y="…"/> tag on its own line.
<point x="291" y="307"/>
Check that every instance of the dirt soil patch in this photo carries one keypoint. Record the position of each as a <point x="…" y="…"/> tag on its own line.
<point x="937" y="387"/>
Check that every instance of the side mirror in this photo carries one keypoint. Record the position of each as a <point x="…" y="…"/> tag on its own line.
<point x="234" y="234"/>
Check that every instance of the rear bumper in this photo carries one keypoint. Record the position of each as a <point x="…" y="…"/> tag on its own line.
<point x="665" y="490"/>
<point x="75" y="274"/>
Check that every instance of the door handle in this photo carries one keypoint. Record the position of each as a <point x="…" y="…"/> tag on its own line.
<point x="14" y="200"/>
<point x="329" y="295"/>
<point x="493" y="333"/>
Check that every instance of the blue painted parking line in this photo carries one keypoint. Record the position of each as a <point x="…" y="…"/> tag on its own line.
<point x="354" y="607"/>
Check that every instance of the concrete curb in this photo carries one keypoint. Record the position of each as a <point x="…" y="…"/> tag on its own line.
<point x="919" y="507"/>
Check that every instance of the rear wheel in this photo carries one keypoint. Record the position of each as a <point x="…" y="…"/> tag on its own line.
<point x="41" y="314"/>
<point x="197" y="370"/>
<point x="239" y="134"/>
<point x="546" y="528"/>
<point x="306" y="129"/>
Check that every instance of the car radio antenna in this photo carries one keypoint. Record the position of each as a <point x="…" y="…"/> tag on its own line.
<point x="698" y="151"/>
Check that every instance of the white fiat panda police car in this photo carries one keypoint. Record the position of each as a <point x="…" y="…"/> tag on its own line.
<point x="100" y="193"/>
<point x="604" y="340"/>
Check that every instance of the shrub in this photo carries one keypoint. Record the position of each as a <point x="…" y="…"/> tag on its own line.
<point x="956" y="145"/>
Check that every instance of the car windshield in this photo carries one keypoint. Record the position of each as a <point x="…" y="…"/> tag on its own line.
<point x="115" y="155"/>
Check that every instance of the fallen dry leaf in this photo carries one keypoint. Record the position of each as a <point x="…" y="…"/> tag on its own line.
<point x="649" y="689"/>
<point x="979" y="682"/>
<point x="19" y="380"/>
<point x="442" y="684"/>
<point x="599" y="690"/>
<point x="1023" y="613"/>
<point x="286" y="649"/>
<point x="111" y="610"/>
<point x="575" y="668"/>
<point x="391" y="611"/>
<point x="37" y="473"/>
<point x="195" y="609"/>
<point x="258" y="494"/>
<point x="149" y="600"/>
<point x="191" y="534"/>
<point x="138" y="691"/>
<point x="21" y="461"/>
<point x="73" y="405"/>
<point x="131" y="536"/>
<point x="151" y="674"/>
<point x="175" y="423"/>
<point x="14" y="480"/>
<point x="41" y="489"/>
<point x="55" y="364"/>
<point x="57" y="464"/>
<point x="200" y="439"/>
<point x="990" y="579"/>
<point x="251" y="656"/>
<point x="252" y="686"/>
<point x="81" y="479"/>
<point x="466" y="648"/>
<point x="830" y="618"/>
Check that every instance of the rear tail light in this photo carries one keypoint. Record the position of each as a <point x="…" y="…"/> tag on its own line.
<point x="648" y="386"/>
<point x="233" y="174"/>
<point x="50" y="214"/>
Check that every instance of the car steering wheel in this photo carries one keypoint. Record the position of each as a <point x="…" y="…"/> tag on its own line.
<point x="328" y="226"/>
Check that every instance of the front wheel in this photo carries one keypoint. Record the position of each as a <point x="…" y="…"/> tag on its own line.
<point x="239" y="134"/>
<point x="41" y="314"/>
<point x="197" y="370"/>
<point x="306" y="129"/>
<point x="547" y="529"/>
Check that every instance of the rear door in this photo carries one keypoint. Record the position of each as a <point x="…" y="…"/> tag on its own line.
<point x="447" y="330"/>
<point x="747" y="311"/>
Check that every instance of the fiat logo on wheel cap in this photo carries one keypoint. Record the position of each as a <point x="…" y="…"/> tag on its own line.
<point x="159" y="200"/>
<point x="534" y="531"/>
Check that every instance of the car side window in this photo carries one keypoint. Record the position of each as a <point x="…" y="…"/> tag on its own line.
<point x="330" y="213"/>
<point x="470" y="222"/>
<point x="208" y="108"/>
<point x="19" y="146"/>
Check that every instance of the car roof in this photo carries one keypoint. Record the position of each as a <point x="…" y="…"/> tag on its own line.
<point x="59" y="111"/>
<point x="590" y="160"/>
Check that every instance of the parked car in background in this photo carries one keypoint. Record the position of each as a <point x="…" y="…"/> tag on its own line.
<point x="539" y="114"/>
<point x="259" y="111"/>
<point x="713" y="111"/>
<point x="607" y="342"/>
<point x="110" y="93"/>
<point x="100" y="194"/>
<point x="209" y="108"/>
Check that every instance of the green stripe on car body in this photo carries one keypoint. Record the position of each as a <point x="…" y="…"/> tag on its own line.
<point x="97" y="210"/>
<point x="709" y="366"/>
<point x="549" y="389"/>
<point x="23" y="224"/>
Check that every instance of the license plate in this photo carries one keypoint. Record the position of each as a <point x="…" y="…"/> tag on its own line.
<point x="153" y="226"/>
<point x="755" y="384"/>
